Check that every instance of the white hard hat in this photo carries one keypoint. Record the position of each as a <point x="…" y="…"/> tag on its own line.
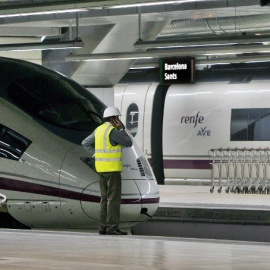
<point x="111" y="111"/>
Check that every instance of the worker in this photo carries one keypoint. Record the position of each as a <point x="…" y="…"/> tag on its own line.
<point x="108" y="140"/>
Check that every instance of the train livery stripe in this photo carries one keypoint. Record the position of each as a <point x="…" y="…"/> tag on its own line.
<point x="187" y="164"/>
<point x="197" y="164"/>
<point x="22" y="186"/>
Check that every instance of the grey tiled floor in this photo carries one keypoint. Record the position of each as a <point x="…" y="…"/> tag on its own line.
<point x="38" y="250"/>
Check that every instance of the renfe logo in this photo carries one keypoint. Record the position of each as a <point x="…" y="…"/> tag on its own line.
<point x="192" y="119"/>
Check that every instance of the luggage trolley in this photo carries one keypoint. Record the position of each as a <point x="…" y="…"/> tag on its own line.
<point x="261" y="185"/>
<point x="249" y="164"/>
<point x="224" y="169"/>
<point x="232" y="170"/>
<point x="235" y="170"/>
<point x="257" y="181"/>
<point x="257" y="170"/>
<point x="218" y="161"/>
<point x="212" y="154"/>
<point x="240" y="170"/>
<point x="229" y="170"/>
<point x="267" y="162"/>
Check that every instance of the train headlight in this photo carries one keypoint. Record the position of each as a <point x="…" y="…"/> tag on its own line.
<point x="89" y="161"/>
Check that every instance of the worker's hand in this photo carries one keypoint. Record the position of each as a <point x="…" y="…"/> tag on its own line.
<point x="117" y="123"/>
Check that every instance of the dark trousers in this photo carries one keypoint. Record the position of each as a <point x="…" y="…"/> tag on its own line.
<point x="110" y="187"/>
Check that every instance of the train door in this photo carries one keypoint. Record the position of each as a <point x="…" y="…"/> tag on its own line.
<point x="135" y="106"/>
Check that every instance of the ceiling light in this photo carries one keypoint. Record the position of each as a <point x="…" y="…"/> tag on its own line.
<point x="45" y="12"/>
<point x="213" y="61"/>
<point x="145" y="66"/>
<point x="108" y="56"/>
<point x="198" y="41"/>
<point x="229" y="60"/>
<point x="196" y="51"/>
<point x="69" y="44"/>
<point x="82" y="6"/>
<point x="154" y="3"/>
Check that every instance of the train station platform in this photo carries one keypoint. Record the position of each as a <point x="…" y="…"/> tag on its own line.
<point x="199" y="197"/>
<point x="43" y="250"/>
<point x="192" y="211"/>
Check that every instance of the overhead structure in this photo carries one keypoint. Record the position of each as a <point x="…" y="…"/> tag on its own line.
<point x="75" y="43"/>
<point x="195" y="51"/>
<point x="197" y="41"/>
<point x="45" y="7"/>
<point x="134" y="33"/>
<point x="49" y="45"/>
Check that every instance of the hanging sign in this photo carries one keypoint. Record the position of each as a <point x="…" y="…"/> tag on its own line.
<point x="177" y="70"/>
<point x="265" y="2"/>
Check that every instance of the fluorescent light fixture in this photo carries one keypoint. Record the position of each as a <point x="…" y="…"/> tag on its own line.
<point x="83" y="6"/>
<point x="108" y="56"/>
<point x="69" y="44"/>
<point x="198" y="51"/>
<point x="199" y="41"/>
<point x="229" y="60"/>
<point x="45" y="12"/>
<point x="154" y="3"/>
<point x="142" y="66"/>
<point x="213" y="61"/>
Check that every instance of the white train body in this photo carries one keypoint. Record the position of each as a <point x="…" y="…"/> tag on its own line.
<point x="196" y="118"/>
<point x="45" y="173"/>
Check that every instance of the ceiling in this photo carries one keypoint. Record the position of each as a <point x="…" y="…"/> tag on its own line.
<point x="215" y="30"/>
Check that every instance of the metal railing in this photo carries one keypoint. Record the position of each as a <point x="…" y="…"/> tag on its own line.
<point x="240" y="170"/>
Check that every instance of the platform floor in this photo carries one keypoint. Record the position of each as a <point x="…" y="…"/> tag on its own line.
<point x="200" y="197"/>
<point x="44" y="250"/>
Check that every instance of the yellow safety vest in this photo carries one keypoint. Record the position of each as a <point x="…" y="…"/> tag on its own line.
<point x="108" y="158"/>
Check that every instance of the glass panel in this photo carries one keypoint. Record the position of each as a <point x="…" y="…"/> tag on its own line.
<point x="57" y="102"/>
<point x="132" y="119"/>
<point x="265" y="124"/>
<point x="257" y="122"/>
<point x="12" y="144"/>
<point x="239" y="124"/>
<point x="254" y="125"/>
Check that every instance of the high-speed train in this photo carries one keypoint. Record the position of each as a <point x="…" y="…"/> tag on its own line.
<point x="47" y="179"/>
<point x="177" y="125"/>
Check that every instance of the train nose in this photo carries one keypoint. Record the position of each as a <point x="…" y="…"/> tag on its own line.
<point x="138" y="177"/>
<point x="139" y="201"/>
<point x="139" y="198"/>
<point x="150" y="197"/>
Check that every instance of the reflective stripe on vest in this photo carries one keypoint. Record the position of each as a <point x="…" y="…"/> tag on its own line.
<point x="108" y="158"/>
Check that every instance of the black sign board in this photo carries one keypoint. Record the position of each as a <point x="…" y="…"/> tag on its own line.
<point x="177" y="70"/>
<point x="265" y="2"/>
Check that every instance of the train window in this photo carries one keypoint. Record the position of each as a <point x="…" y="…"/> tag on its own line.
<point x="57" y="101"/>
<point x="250" y="124"/>
<point x="12" y="144"/>
<point x="132" y="119"/>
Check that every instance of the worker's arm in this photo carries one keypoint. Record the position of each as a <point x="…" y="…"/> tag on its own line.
<point x="120" y="137"/>
<point x="89" y="142"/>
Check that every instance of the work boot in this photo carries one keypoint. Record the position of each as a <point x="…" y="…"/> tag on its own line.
<point x="117" y="232"/>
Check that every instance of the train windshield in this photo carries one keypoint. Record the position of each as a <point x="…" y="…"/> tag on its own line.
<point x="57" y="102"/>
